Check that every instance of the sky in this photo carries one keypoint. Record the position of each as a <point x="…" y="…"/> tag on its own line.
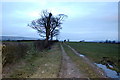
<point x="86" y="20"/>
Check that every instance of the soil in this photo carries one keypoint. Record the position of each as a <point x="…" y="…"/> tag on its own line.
<point x="68" y="68"/>
<point x="88" y="61"/>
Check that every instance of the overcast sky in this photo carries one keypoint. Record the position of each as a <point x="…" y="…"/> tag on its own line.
<point x="86" y="20"/>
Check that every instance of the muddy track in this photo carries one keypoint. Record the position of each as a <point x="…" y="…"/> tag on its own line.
<point x="96" y="69"/>
<point x="68" y="68"/>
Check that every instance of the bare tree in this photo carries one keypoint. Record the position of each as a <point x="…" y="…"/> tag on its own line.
<point x="48" y="25"/>
<point x="56" y="25"/>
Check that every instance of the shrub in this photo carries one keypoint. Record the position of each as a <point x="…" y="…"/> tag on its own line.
<point x="12" y="51"/>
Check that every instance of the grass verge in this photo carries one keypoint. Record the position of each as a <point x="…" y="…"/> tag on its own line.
<point x="81" y="64"/>
<point x="45" y="64"/>
<point x="99" y="52"/>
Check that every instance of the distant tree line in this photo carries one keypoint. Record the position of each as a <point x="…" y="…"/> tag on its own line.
<point x="109" y="41"/>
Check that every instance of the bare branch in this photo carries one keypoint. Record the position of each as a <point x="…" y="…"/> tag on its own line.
<point x="48" y="25"/>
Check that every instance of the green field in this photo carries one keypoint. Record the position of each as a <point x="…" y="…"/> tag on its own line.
<point x="83" y="66"/>
<point x="27" y="60"/>
<point x="98" y="51"/>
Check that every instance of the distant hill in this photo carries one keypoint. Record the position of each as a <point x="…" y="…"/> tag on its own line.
<point x="5" y="38"/>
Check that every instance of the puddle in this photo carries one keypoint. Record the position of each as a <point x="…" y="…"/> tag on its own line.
<point x="110" y="73"/>
<point x="81" y="55"/>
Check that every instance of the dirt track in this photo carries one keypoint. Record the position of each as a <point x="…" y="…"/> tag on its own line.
<point x="88" y="61"/>
<point x="68" y="68"/>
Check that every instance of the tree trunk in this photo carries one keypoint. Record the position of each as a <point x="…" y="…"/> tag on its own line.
<point x="51" y="36"/>
<point x="48" y="31"/>
<point x="46" y="43"/>
<point x="47" y="38"/>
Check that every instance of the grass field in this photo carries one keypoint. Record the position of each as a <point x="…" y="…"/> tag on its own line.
<point x="98" y="51"/>
<point x="83" y="66"/>
<point x="36" y="64"/>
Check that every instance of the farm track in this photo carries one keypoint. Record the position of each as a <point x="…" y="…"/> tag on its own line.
<point x="68" y="68"/>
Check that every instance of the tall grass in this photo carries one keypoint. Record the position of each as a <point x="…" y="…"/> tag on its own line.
<point x="13" y="51"/>
<point x="36" y="64"/>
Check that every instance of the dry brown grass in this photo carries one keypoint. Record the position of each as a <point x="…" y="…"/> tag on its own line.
<point x="0" y="60"/>
<point x="37" y="64"/>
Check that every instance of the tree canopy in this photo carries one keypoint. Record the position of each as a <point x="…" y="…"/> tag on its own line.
<point x="48" y="25"/>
